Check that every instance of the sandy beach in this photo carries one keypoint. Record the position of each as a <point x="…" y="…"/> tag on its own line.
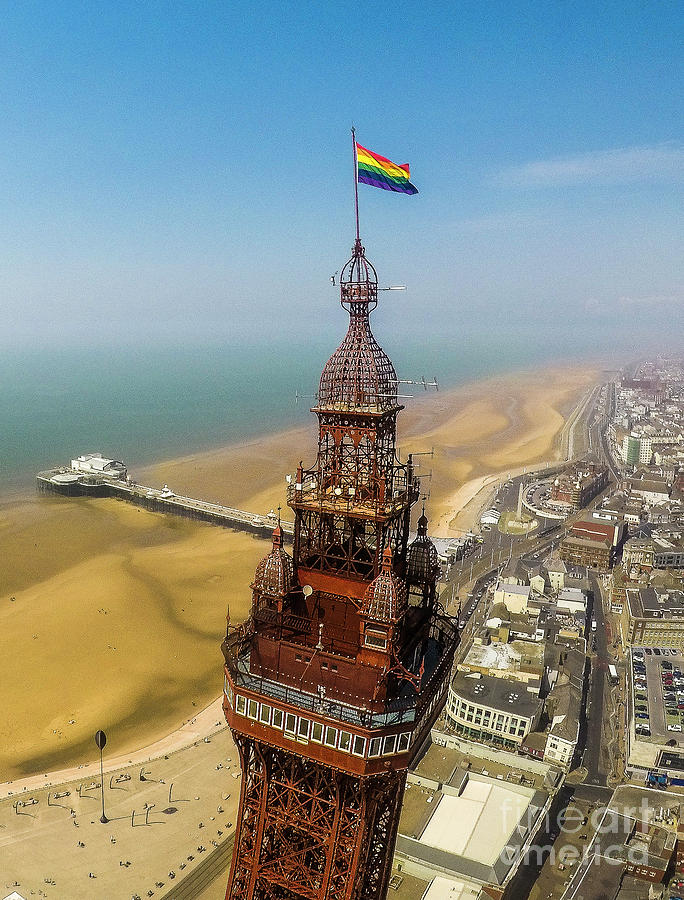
<point x="113" y="615"/>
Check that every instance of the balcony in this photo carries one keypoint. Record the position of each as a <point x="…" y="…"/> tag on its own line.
<point x="407" y="706"/>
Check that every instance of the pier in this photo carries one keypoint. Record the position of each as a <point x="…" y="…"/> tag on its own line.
<point x="83" y="479"/>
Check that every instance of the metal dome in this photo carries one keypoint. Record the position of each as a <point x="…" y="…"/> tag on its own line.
<point x="359" y="373"/>
<point x="422" y="562"/>
<point x="275" y="573"/>
<point x="385" y="599"/>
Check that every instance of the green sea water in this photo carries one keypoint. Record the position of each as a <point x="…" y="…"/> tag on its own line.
<point x="146" y="404"/>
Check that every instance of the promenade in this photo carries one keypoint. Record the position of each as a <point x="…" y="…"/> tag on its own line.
<point x="171" y="806"/>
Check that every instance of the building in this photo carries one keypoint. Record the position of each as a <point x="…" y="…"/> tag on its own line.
<point x="521" y="661"/>
<point x="491" y="709"/>
<point x="596" y="529"/>
<point x="634" y="847"/>
<point x="653" y="617"/>
<point x="573" y="600"/>
<point x="631" y="447"/>
<point x="651" y="490"/>
<point x="334" y="681"/>
<point x="556" y="571"/>
<point x="472" y="819"/>
<point x="564" y="703"/>
<point x="596" y="553"/>
<point x="514" y="596"/>
<point x="578" y="486"/>
<point x="591" y="543"/>
<point x="97" y="464"/>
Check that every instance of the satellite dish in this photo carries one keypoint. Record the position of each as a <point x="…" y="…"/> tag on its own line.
<point x="307" y="590"/>
<point x="338" y="491"/>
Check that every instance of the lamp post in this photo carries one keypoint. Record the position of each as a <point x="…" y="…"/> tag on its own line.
<point x="101" y="740"/>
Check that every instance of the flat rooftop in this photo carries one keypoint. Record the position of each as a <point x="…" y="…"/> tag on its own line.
<point x="496" y="693"/>
<point x="473" y="831"/>
<point x="511" y="656"/>
<point x="478" y="823"/>
<point x="449" y="889"/>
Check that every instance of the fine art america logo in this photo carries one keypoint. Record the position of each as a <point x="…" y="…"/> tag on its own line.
<point x="604" y="832"/>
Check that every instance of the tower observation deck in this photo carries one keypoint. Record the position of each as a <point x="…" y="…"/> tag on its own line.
<point x="333" y="682"/>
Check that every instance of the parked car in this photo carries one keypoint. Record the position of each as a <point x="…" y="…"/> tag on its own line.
<point x="647" y="651"/>
<point x="642" y="707"/>
<point x="674" y="727"/>
<point x="656" y="651"/>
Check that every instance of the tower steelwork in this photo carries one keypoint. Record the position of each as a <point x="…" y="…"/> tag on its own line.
<point x="333" y="682"/>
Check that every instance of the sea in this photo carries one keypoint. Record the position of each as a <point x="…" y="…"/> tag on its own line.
<point x="147" y="404"/>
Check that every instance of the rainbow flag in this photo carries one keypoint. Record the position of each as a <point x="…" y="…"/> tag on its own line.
<point x="380" y="172"/>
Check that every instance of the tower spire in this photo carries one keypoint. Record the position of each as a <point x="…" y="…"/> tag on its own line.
<point x="323" y="724"/>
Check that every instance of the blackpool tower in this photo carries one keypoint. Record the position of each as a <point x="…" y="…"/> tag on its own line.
<point x="333" y="682"/>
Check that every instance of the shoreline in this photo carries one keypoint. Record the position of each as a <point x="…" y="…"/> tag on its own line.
<point x="21" y="485"/>
<point x="150" y="591"/>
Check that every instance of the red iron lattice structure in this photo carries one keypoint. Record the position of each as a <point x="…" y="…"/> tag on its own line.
<point x="333" y="682"/>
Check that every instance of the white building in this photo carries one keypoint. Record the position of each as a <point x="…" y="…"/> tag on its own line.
<point x="514" y="596"/>
<point x="97" y="464"/>
<point x="572" y="599"/>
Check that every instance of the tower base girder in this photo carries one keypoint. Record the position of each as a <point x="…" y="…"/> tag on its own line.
<point x="311" y="832"/>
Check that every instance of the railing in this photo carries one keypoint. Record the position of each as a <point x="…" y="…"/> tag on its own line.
<point x="343" y="495"/>
<point x="394" y="711"/>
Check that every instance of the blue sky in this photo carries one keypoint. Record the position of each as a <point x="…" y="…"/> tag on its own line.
<point x="183" y="170"/>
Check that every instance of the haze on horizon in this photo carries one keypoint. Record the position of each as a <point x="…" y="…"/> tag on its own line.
<point x="183" y="172"/>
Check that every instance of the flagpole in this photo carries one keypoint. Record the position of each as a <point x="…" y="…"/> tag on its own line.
<point x="356" y="184"/>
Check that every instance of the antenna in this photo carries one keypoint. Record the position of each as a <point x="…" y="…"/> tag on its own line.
<point x="421" y="381"/>
<point x="299" y="396"/>
<point x="430" y="452"/>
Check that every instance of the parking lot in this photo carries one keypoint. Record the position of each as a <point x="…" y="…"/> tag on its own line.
<point x="658" y="694"/>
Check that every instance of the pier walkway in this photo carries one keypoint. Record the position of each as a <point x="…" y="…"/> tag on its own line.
<point x="72" y="483"/>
